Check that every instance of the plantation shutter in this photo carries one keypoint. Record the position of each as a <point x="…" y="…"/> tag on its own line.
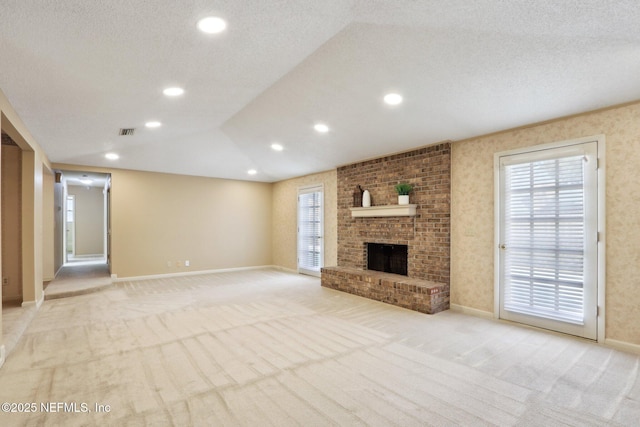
<point x="544" y="238"/>
<point x="310" y="245"/>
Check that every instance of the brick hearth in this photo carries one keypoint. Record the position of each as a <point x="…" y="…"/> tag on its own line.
<point x="414" y="294"/>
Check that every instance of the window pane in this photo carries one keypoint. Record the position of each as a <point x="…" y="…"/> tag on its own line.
<point x="310" y="231"/>
<point x="545" y="238"/>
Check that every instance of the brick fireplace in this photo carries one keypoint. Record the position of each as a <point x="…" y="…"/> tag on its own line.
<point x="426" y="235"/>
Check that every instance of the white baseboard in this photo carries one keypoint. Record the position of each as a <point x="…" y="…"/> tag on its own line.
<point x="471" y="311"/>
<point x="622" y="345"/>
<point x="89" y="256"/>
<point x="187" y="273"/>
<point x="615" y="344"/>
<point x="58" y="271"/>
<point x="281" y="268"/>
<point x="2" y="355"/>
<point x="32" y="303"/>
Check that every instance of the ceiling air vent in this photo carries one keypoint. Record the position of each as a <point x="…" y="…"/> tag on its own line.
<point x="126" y="131"/>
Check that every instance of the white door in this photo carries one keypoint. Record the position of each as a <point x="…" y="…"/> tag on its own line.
<point x="310" y="230"/>
<point x="548" y="238"/>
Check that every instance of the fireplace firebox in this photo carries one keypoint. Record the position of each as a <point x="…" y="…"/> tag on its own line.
<point x="387" y="258"/>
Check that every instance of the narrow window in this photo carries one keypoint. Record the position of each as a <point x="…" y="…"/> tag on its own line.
<point x="310" y="230"/>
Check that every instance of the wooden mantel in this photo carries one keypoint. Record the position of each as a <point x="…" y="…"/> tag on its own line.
<point x="389" y="210"/>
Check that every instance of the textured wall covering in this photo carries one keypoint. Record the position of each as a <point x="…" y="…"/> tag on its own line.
<point x="472" y="214"/>
<point x="285" y="218"/>
<point x="428" y="169"/>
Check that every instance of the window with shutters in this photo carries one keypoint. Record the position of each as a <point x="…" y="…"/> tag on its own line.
<point x="544" y="231"/>
<point x="310" y="230"/>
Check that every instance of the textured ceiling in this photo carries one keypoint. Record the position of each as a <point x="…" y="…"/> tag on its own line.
<point x="78" y="71"/>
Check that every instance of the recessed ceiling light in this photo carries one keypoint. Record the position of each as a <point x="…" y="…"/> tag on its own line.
<point x="321" y="127"/>
<point x="173" y="91"/>
<point x="112" y="156"/>
<point x="252" y="171"/>
<point x="153" y="124"/>
<point x="393" y="99"/>
<point x="277" y="147"/>
<point x="212" y="25"/>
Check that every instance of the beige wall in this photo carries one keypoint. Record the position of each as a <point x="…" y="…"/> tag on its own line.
<point x="32" y="226"/>
<point x="33" y="163"/>
<point x="48" y="234"/>
<point x="472" y="215"/>
<point x="285" y="205"/>
<point x="158" y="219"/>
<point x="58" y="225"/>
<point x="11" y="219"/>
<point x="213" y="223"/>
<point x="89" y="219"/>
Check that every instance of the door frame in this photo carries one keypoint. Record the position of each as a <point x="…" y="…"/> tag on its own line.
<point x="71" y="230"/>
<point x="601" y="221"/>
<point x="306" y="190"/>
<point x="107" y="222"/>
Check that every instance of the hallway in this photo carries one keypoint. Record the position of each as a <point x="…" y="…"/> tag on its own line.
<point x="78" y="278"/>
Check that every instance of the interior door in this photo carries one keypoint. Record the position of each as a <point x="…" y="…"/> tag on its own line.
<point x="548" y="238"/>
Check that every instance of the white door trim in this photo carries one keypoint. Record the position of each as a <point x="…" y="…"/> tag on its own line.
<point x="601" y="221"/>
<point x="306" y="190"/>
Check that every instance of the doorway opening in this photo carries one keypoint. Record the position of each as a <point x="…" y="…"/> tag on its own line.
<point x="70" y="227"/>
<point x="11" y="168"/>
<point x="86" y="217"/>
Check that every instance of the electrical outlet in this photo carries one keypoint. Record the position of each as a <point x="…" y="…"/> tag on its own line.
<point x="5" y="281"/>
<point x="186" y="263"/>
<point x="178" y="264"/>
<point x="169" y="264"/>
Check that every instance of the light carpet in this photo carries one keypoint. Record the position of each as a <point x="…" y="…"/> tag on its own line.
<point x="79" y="278"/>
<point x="266" y="347"/>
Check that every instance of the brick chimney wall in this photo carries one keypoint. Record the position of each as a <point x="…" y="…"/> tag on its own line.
<point x="427" y="235"/>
